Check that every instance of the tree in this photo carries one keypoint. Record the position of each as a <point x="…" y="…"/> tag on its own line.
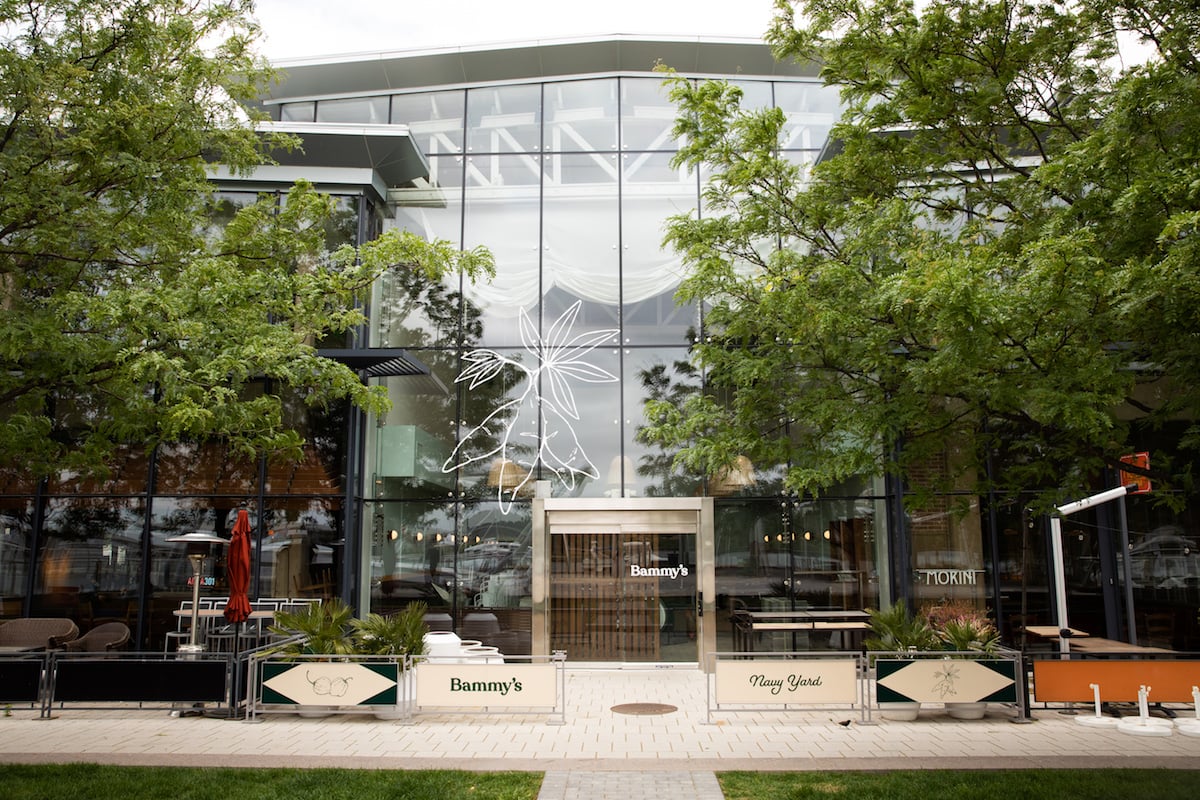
<point x="994" y="258"/>
<point x="123" y="318"/>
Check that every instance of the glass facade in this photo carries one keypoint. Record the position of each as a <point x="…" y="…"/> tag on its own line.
<point x="535" y="389"/>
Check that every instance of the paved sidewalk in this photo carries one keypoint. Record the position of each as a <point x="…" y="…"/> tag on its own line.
<point x="598" y="754"/>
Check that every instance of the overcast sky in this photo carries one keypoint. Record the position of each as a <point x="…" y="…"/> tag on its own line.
<point x="303" y="28"/>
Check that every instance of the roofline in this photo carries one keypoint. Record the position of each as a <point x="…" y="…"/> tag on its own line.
<point x="545" y="59"/>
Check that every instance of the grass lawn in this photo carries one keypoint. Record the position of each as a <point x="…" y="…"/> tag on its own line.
<point x="92" y="782"/>
<point x="1094" y="784"/>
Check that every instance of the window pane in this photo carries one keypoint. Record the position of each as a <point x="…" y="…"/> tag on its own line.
<point x="413" y="441"/>
<point x="652" y="193"/>
<point x="298" y="112"/>
<point x="504" y="119"/>
<point x="502" y="205"/>
<point x="647" y="115"/>
<point x="371" y="110"/>
<point x="581" y="116"/>
<point x="408" y="310"/>
<point x="579" y="239"/>
<point x="655" y="374"/>
<point x="435" y="119"/>
<point x="811" y="110"/>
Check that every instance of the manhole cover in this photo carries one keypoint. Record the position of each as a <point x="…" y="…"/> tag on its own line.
<point x="644" y="708"/>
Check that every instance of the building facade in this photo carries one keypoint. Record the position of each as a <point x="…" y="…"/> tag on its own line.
<point x="508" y="487"/>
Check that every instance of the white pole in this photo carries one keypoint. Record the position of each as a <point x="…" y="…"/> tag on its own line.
<point x="1060" y="585"/>
<point x="1056" y="551"/>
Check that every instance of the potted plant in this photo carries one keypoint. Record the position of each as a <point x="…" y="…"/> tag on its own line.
<point x="964" y="633"/>
<point x="897" y="631"/>
<point x="316" y="629"/>
<point x="392" y="637"/>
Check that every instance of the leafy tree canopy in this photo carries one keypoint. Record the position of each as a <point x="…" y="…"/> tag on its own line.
<point x="996" y="256"/>
<point x="123" y="316"/>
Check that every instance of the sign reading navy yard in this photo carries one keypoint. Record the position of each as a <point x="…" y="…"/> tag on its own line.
<point x="792" y="682"/>
<point x="491" y="685"/>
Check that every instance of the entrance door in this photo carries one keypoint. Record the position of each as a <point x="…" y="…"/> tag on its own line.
<point x="624" y="593"/>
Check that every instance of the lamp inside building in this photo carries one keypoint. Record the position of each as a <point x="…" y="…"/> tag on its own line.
<point x="735" y="478"/>
<point x="507" y="475"/>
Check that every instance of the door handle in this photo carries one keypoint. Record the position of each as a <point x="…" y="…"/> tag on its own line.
<point x="699" y="604"/>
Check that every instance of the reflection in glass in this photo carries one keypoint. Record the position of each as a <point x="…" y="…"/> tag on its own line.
<point x="302" y="549"/>
<point x="16" y="529"/>
<point x="811" y="109"/>
<point x="580" y="236"/>
<point x="652" y="192"/>
<point x="505" y="217"/>
<point x="413" y="440"/>
<point x="434" y="119"/>
<point x="647" y="115"/>
<point x="369" y="110"/>
<point x="90" y="561"/>
<point x="504" y="119"/>
<point x="658" y="374"/>
<point x="581" y="115"/>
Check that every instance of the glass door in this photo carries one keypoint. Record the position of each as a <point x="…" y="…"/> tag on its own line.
<point x="620" y="593"/>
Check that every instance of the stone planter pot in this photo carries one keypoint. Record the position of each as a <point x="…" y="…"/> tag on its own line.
<point x="900" y="712"/>
<point x="966" y="710"/>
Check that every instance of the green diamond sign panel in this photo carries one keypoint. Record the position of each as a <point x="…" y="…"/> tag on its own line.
<point x="321" y="683"/>
<point x="945" y="680"/>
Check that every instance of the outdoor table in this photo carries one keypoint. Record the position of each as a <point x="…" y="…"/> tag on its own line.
<point x="749" y="623"/>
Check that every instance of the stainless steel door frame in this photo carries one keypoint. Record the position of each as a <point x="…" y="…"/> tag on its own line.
<point x="686" y="515"/>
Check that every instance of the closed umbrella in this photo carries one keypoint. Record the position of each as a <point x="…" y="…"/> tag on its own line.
<point x="237" y="570"/>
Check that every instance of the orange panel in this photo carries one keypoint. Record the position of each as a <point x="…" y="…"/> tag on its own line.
<point x="1070" y="681"/>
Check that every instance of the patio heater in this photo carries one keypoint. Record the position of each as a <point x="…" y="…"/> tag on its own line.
<point x="199" y="543"/>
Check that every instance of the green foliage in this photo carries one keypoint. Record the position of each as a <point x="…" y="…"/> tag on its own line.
<point x="325" y="628"/>
<point x="400" y="634"/>
<point x="897" y="630"/>
<point x="126" y="315"/>
<point x="994" y="259"/>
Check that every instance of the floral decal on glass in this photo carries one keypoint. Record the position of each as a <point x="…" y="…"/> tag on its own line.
<point x="514" y="425"/>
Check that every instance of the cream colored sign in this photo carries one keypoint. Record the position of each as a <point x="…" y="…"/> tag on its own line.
<point x="493" y="685"/>
<point x="945" y="680"/>
<point x="775" y="682"/>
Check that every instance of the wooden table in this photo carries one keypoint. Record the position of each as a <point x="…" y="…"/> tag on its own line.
<point x="1052" y="632"/>
<point x="1095" y="644"/>
<point x="747" y="624"/>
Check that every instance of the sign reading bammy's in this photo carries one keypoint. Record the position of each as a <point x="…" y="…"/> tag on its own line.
<point x="494" y="685"/>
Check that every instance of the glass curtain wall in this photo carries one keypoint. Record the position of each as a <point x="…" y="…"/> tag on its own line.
<point x="97" y="550"/>
<point x="543" y="372"/>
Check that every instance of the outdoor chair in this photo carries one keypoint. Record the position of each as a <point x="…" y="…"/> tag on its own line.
<point x="102" y="638"/>
<point x="38" y="632"/>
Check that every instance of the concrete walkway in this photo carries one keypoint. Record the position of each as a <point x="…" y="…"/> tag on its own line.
<point x="598" y="754"/>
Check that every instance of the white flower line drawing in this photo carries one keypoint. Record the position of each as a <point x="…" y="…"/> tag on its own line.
<point x="560" y="357"/>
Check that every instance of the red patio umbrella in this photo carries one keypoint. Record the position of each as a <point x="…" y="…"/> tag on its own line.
<point x="237" y="610"/>
<point x="237" y="570"/>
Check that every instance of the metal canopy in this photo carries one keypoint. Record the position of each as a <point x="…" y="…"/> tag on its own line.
<point x="379" y="362"/>
<point x="387" y="149"/>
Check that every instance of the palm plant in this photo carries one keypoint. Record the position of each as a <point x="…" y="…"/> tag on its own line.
<point x="315" y="629"/>
<point x="969" y="633"/>
<point x="396" y="635"/>
<point x="898" y="630"/>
